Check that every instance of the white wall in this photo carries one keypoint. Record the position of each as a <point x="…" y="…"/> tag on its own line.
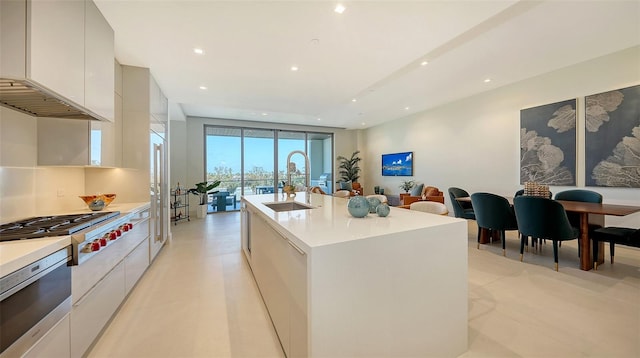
<point x="474" y="143"/>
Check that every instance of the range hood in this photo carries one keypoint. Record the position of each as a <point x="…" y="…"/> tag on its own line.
<point x="35" y="100"/>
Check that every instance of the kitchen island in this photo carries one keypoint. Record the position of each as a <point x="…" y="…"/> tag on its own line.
<point x="335" y="285"/>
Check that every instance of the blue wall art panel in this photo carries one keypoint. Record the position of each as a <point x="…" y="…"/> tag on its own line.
<point x="548" y="144"/>
<point x="397" y="164"/>
<point x="612" y="140"/>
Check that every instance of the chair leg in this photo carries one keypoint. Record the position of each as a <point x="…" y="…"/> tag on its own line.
<point x="555" y="253"/>
<point x="612" y="248"/>
<point x="502" y="236"/>
<point x="479" y="229"/>
<point x="522" y="239"/>
<point x="595" y="254"/>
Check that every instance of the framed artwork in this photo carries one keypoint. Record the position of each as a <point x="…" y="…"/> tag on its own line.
<point x="548" y="144"/>
<point x="397" y="164"/>
<point x="612" y="138"/>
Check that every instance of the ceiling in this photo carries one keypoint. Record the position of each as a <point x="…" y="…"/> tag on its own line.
<point x="372" y="53"/>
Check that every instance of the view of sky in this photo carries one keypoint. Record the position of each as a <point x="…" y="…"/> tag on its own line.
<point x="225" y="151"/>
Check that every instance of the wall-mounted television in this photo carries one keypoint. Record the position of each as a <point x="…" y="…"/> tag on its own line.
<point x="397" y="164"/>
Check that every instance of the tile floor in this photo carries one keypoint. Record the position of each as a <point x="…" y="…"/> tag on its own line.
<point x="198" y="299"/>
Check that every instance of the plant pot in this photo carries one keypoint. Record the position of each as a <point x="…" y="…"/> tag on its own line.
<point x="201" y="211"/>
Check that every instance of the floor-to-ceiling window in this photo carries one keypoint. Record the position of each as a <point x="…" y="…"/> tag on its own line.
<point x="254" y="161"/>
<point x="259" y="161"/>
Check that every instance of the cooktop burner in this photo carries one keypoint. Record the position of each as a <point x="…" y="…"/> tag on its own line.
<point x="44" y="226"/>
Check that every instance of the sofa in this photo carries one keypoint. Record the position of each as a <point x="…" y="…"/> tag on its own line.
<point x="422" y="192"/>
<point x="354" y="188"/>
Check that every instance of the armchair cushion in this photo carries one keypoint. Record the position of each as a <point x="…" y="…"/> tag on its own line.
<point x="345" y="185"/>
<point x="416" y="190"/>
<point x="356" y="189"/>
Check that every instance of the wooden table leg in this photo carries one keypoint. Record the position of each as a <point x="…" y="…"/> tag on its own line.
<point x="597" y="219"/>
<point x="586" y="261"/>
<point x="486" y="236"/>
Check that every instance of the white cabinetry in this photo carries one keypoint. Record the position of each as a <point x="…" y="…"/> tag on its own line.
<point x="100" y="284"/>
<point x="55" y="52"/>
<point x="66" y="47"/>
<point x="135" y="264"/>
<point x="280" y="268"/>
<point x="143" y="108"/>
<point x="90" y="314"/>
<point x="54" y="344"/>
<point x="99" y="79"/>
<point x="74" y="142"/>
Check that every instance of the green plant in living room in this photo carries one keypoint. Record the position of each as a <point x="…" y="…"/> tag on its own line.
<point x="348" y="168"/>
<point x="203" y="188"/>
<point x="406" y="185"/>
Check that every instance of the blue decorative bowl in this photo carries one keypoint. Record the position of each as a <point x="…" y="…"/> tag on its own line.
<point x="96" y="205"/>
<point x="373" y="204"/>
<point x="358" y="206"/>
<point x="383" y="210"/>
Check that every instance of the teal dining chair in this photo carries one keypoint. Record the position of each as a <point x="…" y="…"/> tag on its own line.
<point x="614" y="235"/>
<point x="493" y="212"/>
<point x="587" y="196"/>
<point x="462" y="210"/>
<point x="543" y="218"/>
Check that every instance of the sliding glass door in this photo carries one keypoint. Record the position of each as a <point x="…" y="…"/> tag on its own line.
<point x="251" y="161"/>
<point x="223" y="161"/>
<point x="258" y="161"/>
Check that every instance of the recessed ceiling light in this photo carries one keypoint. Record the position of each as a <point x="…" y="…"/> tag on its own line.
<point x="406" y="108"/>
<point x="424" y="63"/>
<point x="487" y="80"/>
<point x="353" y="100"/>
<point x="294" y="68"/>
<point x="265" y="114"/>
<point x="362" y="123"/>
<point x="198" y="51"/>
<point x="339" y="8"/>
<point x="319" y="119"/>
<point x="203" y="87"/>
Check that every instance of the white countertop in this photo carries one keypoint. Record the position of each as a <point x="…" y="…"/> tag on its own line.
<point x="19" y="253"/>
<point x="330" y="222"/>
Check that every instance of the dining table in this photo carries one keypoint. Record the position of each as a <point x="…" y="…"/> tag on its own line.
<point x="590" y="213"/>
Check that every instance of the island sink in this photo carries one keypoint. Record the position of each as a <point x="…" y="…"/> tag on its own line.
<point x="287" y="206"/>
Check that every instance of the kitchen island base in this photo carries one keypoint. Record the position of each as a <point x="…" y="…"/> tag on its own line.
<point x="389" y="293"/>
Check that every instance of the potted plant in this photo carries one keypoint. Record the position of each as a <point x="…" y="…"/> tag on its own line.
<point x="201" y="190"/>
<point x="349" y="169"/>
<point x="406" y="185"/>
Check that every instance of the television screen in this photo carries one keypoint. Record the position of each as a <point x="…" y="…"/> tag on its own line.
<point x="397" y="164"/>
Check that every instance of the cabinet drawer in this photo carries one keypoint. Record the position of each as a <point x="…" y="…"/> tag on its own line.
<point x="135" y="264"/>
<point x="54" y="344"/>
<point x="90" y="314"/>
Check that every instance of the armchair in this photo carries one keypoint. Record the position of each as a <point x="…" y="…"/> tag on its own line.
<point x="429" y="193"/>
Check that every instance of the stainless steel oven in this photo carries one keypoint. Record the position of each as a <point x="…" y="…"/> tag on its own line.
<point x="32" y="300"/>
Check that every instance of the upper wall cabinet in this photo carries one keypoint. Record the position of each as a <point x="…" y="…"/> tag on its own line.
<point x="144" y="108"/>
<point x="159" y="104"/>
<point x="60" y="53"/>
<point x="76" y="143"/>
<point x="99" y="71"/>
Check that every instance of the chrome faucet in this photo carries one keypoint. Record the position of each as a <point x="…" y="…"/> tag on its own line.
<point x="291" y="165"/>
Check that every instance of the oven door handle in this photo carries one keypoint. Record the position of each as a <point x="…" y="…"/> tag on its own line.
<point x="34" y="278"/>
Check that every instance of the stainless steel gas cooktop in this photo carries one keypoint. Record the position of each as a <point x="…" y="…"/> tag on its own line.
<point x="45" y="226"/>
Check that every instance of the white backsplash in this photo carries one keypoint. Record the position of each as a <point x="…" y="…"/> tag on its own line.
<point x="33" y="191"/>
